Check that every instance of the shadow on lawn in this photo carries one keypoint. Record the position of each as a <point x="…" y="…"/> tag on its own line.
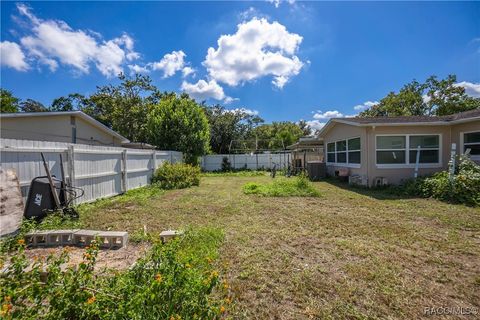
<point x="386" y="193"/>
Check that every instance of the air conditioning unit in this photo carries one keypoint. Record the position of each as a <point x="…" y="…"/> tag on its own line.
<point x="380" y="182"/>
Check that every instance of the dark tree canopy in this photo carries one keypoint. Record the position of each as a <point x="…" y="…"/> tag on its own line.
<point x="228" y="125"/>
<point x="434" y="97"/>
<point x="31" y="105"/>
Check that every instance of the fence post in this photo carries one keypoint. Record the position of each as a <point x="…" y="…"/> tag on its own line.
<point x="71" y="167"/>
<point x="154" y="162"/>
<point x="124" y="171"/>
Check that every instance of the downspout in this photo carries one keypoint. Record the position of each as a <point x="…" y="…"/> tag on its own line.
<point x="368" y="158"/>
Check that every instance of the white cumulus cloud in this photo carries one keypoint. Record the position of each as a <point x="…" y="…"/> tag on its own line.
<point x="471" y="89"/>
<point x="11" y="55"/>
<point x="170" y="63"/>
<point x="316" y="124"/>
<point x="258" y="48"/>
<point x="366" y="105"/>
<point x="54" y="42"/>
<point x="203" y="90"/>
<point x="186" y="71"/>
<point x="327" y="115"/>
<point x="244" y="110"/>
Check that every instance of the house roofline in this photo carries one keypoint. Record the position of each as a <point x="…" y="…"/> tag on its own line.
<point x="80" y="114"/>
<point x="331" y="122"/>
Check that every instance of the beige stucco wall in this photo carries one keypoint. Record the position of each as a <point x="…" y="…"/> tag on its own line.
<point x="88" y="134"/>
<point x="448" y="134"/>
<point x="341" y="132"/>
<point x="457" y="135"/>
<point x="54" y="128"/>
<point x="403" y="172"/>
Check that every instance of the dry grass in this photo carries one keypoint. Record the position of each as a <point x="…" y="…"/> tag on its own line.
<point x="350" y="254"/>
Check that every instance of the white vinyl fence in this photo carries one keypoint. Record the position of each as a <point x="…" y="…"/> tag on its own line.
<point x="99" y="171"/>
<point x="248" y="161"/>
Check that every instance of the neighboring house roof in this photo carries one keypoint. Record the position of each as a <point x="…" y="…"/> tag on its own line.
<point x="466" y="116"/>
<point x="306" y="142"/>
<point x="79" y="114"/>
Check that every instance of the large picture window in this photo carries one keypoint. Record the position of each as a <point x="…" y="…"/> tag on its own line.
<point x="402" y="149"/>
<point x="471" y="140"/>
<point x="344" y="151"/>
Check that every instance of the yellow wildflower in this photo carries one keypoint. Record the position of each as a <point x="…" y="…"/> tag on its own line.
<point x="228" y="300"/>
<point x="21" y="242"/>
<point x="158" y="277"/>
<point x="222" y="309"/>
<point x="91" y="300"/>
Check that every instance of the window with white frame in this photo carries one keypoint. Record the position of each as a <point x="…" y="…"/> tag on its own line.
<point x="402" y="149"/>
<point x="344" y="151"/>
<point x="471" y="140"/>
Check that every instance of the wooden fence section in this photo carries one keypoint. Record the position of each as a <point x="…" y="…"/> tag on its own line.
<point x="99" y="171"/>
<point x="259" y="161"/>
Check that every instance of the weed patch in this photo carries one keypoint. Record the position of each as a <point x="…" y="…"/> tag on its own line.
<point x="295" y="187"/>
<point x="176" y="280"/>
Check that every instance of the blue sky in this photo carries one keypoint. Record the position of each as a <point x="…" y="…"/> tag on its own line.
<point x="285" y="60"/>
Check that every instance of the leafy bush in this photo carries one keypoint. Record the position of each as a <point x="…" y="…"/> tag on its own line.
<point x="299" y="186"/>
<point x="176" y="176"/>
<point x="175" y="280"/>
<point x="463" y="188"/>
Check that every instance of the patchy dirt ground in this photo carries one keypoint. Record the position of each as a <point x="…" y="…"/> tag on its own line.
<point x="349" y="254"/>
<point x="119" y="259"/>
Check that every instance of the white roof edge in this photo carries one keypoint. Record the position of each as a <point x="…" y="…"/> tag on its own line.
<point x="81" y="114"/>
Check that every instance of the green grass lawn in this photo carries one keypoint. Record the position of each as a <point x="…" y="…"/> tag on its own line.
<point x="351" y="253"/>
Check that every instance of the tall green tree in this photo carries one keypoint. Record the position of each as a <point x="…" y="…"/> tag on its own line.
<point x="433" y="97"/>
<point x="8" y="102"/>
<point x="71" y="102"/>
<point x="277" y="135"/>
<point x="227" y="126"/>
<point x="124" y="107"/>
<point x="31" y="105"/>
<point x="178" y="123"/>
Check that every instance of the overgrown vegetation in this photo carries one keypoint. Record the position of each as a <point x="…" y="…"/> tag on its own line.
<point x="463" y="187"/>
<point x="173" y="281"/>
<point x="299" y="186"/>
<point x="236" y="173"/>
<point x="176" y="176"/>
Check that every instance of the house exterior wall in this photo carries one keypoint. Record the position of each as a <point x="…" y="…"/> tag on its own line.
<point x="341" y="132"/>
<point x="395" y="174"/>
<point x="457" y="135"/>
<point x="55" y="128"/>
<point x="88" y="134"/>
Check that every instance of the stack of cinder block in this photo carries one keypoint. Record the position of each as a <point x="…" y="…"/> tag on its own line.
<point x="76" y="237"/>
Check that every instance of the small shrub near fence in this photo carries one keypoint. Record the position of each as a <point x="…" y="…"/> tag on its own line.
<point x="464" y="187"/>
<point x="176" y="176"/>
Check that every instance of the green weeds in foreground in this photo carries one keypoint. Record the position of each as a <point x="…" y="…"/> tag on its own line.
<point x="176" y="280"/>
<point x="282" y="187"/>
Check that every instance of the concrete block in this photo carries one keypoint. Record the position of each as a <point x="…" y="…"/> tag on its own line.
<point x="84" y="238"/>
<point x="37" y="238"/>
<point x="168" y="235"/>
<point x="61" y="237"/>
<point x="113" y="239"/>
